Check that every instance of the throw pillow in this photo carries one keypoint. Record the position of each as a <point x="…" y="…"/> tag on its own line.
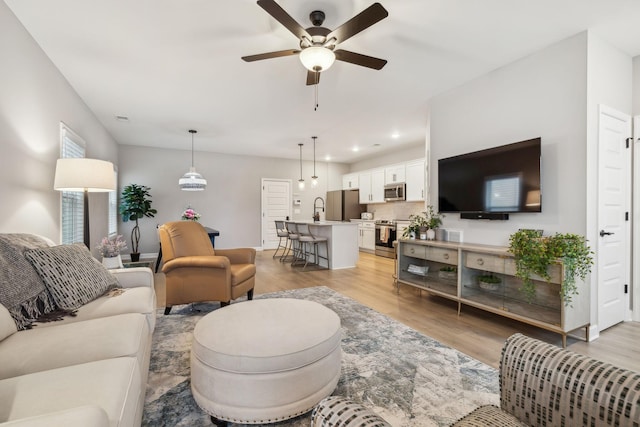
<point x="340" y="411"/>
<point x="22" y="291"/>
<point x="71" y="274"/>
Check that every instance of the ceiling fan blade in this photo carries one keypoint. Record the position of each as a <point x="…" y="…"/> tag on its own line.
<point x="269" y="55"/>
<point x="361" y="21"/>
<point x="359" y="59"/>
<point x="280" y="15"/>
<point x="313" y="78"/>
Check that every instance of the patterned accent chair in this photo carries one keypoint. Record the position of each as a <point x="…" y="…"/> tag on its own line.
<point x="195" y="272"/>
<point x="544" y="385"/>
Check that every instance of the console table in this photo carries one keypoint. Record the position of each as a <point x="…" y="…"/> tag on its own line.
<point x="452" y="270"/>
<point x="212" y="236"/>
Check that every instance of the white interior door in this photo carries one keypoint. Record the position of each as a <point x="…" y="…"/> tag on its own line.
<point x="276" y="205"/>
<point x="614" y="196"/>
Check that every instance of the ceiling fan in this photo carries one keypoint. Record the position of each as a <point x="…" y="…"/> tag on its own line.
<point x="318" y="44"/>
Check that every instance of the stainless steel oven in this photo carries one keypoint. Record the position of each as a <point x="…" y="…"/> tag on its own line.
<point x="385" y="236"/>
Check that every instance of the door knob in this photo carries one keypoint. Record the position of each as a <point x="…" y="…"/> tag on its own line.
<point x="605" y="233"/>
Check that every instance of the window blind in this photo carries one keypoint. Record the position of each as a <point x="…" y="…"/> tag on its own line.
<point x="72" y="207"/>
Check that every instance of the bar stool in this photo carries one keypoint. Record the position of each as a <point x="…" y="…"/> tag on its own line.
<point x="306" y="239"/>
<point x="282" y="233"/>
<point x="294" y="242"/>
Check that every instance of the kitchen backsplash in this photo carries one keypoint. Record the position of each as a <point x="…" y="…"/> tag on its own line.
<point x="395" y="210"/>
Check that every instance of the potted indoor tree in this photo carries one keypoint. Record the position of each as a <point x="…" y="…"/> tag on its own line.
<point x="135" y="203"/>
<point x="534" y="253"/>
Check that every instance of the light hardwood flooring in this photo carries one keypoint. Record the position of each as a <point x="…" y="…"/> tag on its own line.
<point x="475" y="332"/>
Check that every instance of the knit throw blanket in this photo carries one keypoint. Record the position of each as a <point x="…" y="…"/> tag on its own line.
<point x="22" y="291"/>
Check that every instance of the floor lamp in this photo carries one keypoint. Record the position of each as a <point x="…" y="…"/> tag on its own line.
<point x="88" y="176"/>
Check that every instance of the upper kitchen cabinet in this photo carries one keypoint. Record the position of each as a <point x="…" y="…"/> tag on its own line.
<point x="394" y="174"/>
<point x="371" y="186"/>
<point x="350" y="181"/>
<point x="415" y="180"/>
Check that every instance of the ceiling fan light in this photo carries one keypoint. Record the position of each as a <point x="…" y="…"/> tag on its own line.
<point x="317" y="58"/>
<point x="192" y="181"/>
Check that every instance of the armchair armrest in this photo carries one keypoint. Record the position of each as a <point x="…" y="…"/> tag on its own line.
<point x="134" y="277"/>
<point x="204" y="261"/>
<point x="238" y="255"/>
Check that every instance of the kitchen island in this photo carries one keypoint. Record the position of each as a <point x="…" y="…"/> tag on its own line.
<point x="342" y="241"/>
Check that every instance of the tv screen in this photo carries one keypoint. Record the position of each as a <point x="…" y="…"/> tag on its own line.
<point x="503" y="179"/>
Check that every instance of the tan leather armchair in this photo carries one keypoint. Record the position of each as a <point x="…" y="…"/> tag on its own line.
<point x="197" y="272"/>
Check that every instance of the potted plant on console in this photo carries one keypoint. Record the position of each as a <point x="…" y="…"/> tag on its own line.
<point x="135" y="204"/>
<point x="534" y="253"/>
<point x="423" y="225"/>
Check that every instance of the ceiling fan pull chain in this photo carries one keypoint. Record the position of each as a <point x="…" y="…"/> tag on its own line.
<point x="316" y="91"/>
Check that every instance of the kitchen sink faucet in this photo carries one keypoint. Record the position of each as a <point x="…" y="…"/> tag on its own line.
<point x="316" y="215"/>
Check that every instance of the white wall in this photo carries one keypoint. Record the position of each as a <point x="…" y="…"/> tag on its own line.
<point x="34" y="98"/>
<point x="544" y="95"/>
<point x="636" y="86"/>
<point x="232" y="201"/>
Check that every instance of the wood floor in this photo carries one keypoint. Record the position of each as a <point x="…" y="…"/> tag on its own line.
<point x="475" y="332"/>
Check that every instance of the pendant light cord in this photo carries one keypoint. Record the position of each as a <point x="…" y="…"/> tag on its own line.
<point x="191" y="131"/>
<point x="314" y="157"/>
<point x="300" y="145"/>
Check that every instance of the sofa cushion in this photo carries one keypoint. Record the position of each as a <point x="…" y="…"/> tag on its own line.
<point x="117" y="301"/>
<point x="40" y="349"/>
<point x="22" y="291"/>
<point x="112" y="384"/>
<point x="82" y="416"/>
<point x="7" y="325"/>
<point x="71" y="274"/>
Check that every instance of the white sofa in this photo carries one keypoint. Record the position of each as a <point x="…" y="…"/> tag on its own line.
<point x="87" y="370"/>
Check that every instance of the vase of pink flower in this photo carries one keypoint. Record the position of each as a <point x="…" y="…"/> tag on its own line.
<point x="110" y="250"/>
<point x="190" y="215"/>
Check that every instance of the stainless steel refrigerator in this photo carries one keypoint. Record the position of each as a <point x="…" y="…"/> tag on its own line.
<point x="343" y="205"/>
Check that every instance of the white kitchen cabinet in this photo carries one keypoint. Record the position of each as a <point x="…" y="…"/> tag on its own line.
<point x="394" y="174"/>
<point x="350" y="181"/>
<point x="415" y="179"/>
<point x="371" y="186"/>
<point x="367" y="236"/>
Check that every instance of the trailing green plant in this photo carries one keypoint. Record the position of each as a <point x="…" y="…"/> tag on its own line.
<point x="135" y="203"/>
<point x="534" y="254"/>
<point x="449" y="269"/>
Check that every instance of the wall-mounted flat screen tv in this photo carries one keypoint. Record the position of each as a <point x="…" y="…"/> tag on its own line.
<point x="504" y="179"/>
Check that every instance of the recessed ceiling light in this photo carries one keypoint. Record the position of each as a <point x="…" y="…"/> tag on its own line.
<point x="122" y="118"/>
<point x="395" y="135"/>
<point x="355" y="149"/>
<point x="327" y="157"/>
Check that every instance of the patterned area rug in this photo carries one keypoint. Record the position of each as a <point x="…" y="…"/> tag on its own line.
<point x="406" y="377"/>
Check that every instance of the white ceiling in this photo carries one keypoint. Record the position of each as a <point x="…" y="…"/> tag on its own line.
<point x="174" y="65"/>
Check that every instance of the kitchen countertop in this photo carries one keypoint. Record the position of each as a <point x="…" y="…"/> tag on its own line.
<point x="325" y="223"/>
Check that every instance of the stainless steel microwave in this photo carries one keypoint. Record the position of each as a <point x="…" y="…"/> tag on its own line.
<point x="394" y="192"/>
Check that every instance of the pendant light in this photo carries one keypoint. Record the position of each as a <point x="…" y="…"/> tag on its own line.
<point x="301" y="181"/>
<point x="192" y="180"/>
<point x="314" y="178"/>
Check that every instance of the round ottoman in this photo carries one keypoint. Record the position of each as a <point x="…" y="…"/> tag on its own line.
<point x="265" y="360"/>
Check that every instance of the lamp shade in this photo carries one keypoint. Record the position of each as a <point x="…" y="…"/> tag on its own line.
<point x="192" y="181"/>
<point x="317" y="58"/>
<point x="82" y="174"/>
